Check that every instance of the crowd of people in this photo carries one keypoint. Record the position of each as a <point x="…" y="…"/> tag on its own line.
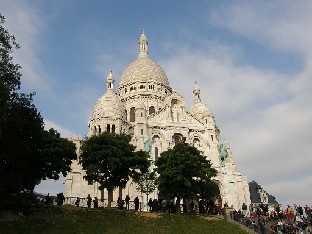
<point x="262" y="218"/>
<point x="265" y="218"/>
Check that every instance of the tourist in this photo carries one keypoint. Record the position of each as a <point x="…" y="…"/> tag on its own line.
<point x="60" y="199"/>
<point x="136" y="203"/>
<point x="150" y="204"/>
<point x="95" y="202"/>
<point x="244" y="209"/>
<point x="48" y="199"/>
<point x="119" y="203"/>
<point x="155" y="205"/>
<point x="192" y="206"/>
<point x="77" y="202"/>
<point x="164" y="205"/>
<point x="127" y="199"/>
<point x="89" y="200"/>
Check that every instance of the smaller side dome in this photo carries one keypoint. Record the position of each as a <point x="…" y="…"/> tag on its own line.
<point x="200" y="110"/>
<point x="108" y="106"/>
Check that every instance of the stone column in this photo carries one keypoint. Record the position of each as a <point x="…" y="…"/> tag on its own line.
<point x="227" y="213"/>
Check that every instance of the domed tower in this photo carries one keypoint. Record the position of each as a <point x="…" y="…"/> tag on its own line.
<point x="108" y="113"/>
<point x="143" y="81"/>
<point x="201" y="112"/>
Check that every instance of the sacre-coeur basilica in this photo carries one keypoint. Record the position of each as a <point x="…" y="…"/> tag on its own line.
<point x="145" y="106"/>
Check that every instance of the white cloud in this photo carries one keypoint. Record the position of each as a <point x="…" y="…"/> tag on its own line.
<point x="26" y="24"/>
<point x="265" y="115"/>
<point x="65" y="133"/>
<point x="281" y="24"/>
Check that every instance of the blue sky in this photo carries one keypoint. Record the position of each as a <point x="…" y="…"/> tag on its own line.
<point x="252" y="60"/>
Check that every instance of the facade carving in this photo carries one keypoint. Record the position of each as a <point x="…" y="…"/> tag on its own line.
<point x="154" y="114"/>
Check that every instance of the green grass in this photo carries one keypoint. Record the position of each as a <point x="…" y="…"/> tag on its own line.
<point x="59" y="220"/>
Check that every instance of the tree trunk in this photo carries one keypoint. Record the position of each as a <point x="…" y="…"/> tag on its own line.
<point x="178" y="205"/>
<point x="110" y="198"/>
<point x="120" y="193"/>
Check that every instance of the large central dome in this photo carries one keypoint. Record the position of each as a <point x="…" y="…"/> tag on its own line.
<point x="143" y="69"/>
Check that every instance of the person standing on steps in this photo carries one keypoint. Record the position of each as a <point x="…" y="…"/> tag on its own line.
<point x="136" y="203"/>
<point x="127" y="199"/>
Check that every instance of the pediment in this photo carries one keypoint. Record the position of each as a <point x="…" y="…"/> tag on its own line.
<point x="174" y="116"/>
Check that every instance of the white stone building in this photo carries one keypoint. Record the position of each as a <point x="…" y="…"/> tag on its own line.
<point x="146" y="107"/>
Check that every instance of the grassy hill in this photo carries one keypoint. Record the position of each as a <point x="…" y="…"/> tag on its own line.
<point x="69" y="219"/>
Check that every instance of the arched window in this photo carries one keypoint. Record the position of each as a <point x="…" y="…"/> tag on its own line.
<point x="176" y="138"/>
<point x="196" y="142"/>
<point x="132" y="114"/>
<point x="113" y="128"/>
<point x="156" y="153"/>
<point x="151" y="110"/>
<point x="108" y="128"/>
<point x="99" y="127"/>
<point x="94" y="130"/>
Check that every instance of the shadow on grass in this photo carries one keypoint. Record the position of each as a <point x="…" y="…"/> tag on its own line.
<point x="81" y="220"/>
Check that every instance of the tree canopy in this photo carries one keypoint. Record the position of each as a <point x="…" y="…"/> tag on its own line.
<point x="183" y="171"/>
<point x="147" y="182"/>
<point x="57" y="155"/>
<point x="110" y="160"/>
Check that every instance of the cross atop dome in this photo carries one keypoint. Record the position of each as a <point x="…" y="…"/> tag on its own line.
<point x="143" y="45"/>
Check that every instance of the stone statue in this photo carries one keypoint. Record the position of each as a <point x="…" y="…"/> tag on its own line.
<point x="223" y="153"/>
<point x="147" y="146"/>
<point x="263" y="196"/>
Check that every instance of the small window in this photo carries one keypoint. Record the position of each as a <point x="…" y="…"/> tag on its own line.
<point x="94" y="130"/>
<point x="141" y="114"/>
<point x="108" y="128"/>
<point x="211" y="137"/>
<point x="156" y="153"/>
<point x="113" y="128"/>
<point x="99" y="127"/>
<point x="132" y="114"/>
<point x="151" y="110"/>
<point x="141" y="131"/>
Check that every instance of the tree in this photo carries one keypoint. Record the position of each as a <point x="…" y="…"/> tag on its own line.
<point x="110" y="160"/>
<point x="20" y="146"/>
<point x="57" y="155"/>
<point x="28" y="153"/>
<point x="9" y="72"/>
<point x="21" y="127"/>
<point x="209" y="190"/>
<point x="146" y="183"/>
<point x="182" y="171"/>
